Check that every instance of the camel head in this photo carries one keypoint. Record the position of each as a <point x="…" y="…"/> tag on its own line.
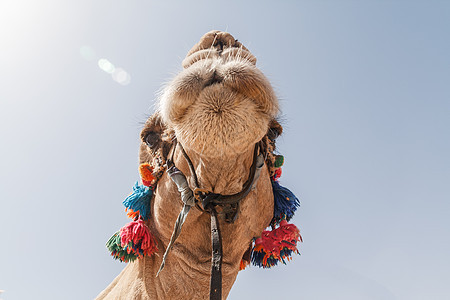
<point x="221" y="103"/>
<point x="220" y="109"/>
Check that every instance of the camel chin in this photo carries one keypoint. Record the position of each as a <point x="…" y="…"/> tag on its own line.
<point x="220" y="104"/>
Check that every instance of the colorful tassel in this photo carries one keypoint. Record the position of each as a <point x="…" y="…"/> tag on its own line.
<point x="114" y="246"/>
<point x="276" y="245"/>
<point x="146" y="171"/>
<point x="243" y="264"/>
<point x="285" y="202"/>
<point x="277" y="174"/>
<point x="136" y="238"/>
<point x="247" y="257"/>
<point x="138" y="202"/>
<point x="279" y="161"/>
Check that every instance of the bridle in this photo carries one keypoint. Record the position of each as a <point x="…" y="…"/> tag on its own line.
<point x="208" y="201"/>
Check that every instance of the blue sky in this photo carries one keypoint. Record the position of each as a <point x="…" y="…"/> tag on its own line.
<point x="364" y="88"/>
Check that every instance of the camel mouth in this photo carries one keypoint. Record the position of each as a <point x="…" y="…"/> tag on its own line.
<point x="220" y="102"/>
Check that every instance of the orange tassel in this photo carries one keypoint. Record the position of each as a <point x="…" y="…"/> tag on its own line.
<point x="132" y="214"/>
<point x="243" y="264"/>
<point x="146" y="171"/>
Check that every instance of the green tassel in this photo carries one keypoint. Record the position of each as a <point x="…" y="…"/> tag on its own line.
<point x="279" y="161"/>
<point x="113" y="244"/>
<point x="117" y="251"/>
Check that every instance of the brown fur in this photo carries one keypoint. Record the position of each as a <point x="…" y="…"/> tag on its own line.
<point x="218" y="107"/>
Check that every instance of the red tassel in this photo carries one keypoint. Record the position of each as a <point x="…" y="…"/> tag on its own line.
<point x="137" y="239"/>
<point x="276" y="245"/>
<point x="277" y="174"/>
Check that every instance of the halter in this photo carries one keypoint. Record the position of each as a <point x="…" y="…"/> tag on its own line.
<point x="209" y="201"/>
<point x="135" y="240"/>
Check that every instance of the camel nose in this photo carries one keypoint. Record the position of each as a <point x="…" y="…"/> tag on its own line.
<point x="215" y="39"/>
<point x="217" y="44"/>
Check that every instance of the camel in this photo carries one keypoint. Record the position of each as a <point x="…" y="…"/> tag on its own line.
<point x="212" y="119"/>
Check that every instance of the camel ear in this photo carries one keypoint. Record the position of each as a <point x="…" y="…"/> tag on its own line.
<point x="275" y="130"/>
<point x="156" y="140"/>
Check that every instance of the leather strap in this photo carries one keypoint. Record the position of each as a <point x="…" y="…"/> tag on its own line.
<point x="209" y="201"/>
<point x="215" y="285"/>
<point x="189" y="201"/>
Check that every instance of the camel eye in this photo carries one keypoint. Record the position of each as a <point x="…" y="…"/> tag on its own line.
<point x="152" y="139"/>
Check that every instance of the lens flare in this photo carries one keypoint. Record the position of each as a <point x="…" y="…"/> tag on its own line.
<point x="121" y="76"/>
<point x="106" y="65"/>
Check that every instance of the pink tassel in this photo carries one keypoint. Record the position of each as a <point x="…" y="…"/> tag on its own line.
<point x="137" y="239"/>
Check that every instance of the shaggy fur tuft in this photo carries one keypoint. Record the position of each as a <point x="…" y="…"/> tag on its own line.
<point x="220" y="103"/>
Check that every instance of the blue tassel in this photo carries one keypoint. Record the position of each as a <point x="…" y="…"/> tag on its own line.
<point x="139" y="200"/>
<point x="258" y="260"/>
<point x="285" y="202"/>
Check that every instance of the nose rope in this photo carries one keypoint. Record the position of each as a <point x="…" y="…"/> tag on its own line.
<point x="187" y="196"/>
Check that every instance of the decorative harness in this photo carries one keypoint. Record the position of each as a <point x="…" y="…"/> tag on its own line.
<point x="209" y="201"/>
<point x="135" y="240"/>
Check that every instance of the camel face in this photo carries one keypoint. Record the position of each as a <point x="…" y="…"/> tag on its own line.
<point x="217" y="108"/>
<point x="220" y="104"/>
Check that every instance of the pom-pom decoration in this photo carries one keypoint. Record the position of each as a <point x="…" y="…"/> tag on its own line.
<point x="146" y="171"/>
<point x="276" y="174"/>
<point x="138" y="202"/>
<point x="135" y="238"/>
<point x="276" y="245"/>
<point x="285" y="203"/>
<point x="279" y="161"/>
<point x="114" y="246"/>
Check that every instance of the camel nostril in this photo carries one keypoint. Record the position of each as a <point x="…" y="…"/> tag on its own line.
<point x="215" y="79"/>
<point x="219" y="45"/>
